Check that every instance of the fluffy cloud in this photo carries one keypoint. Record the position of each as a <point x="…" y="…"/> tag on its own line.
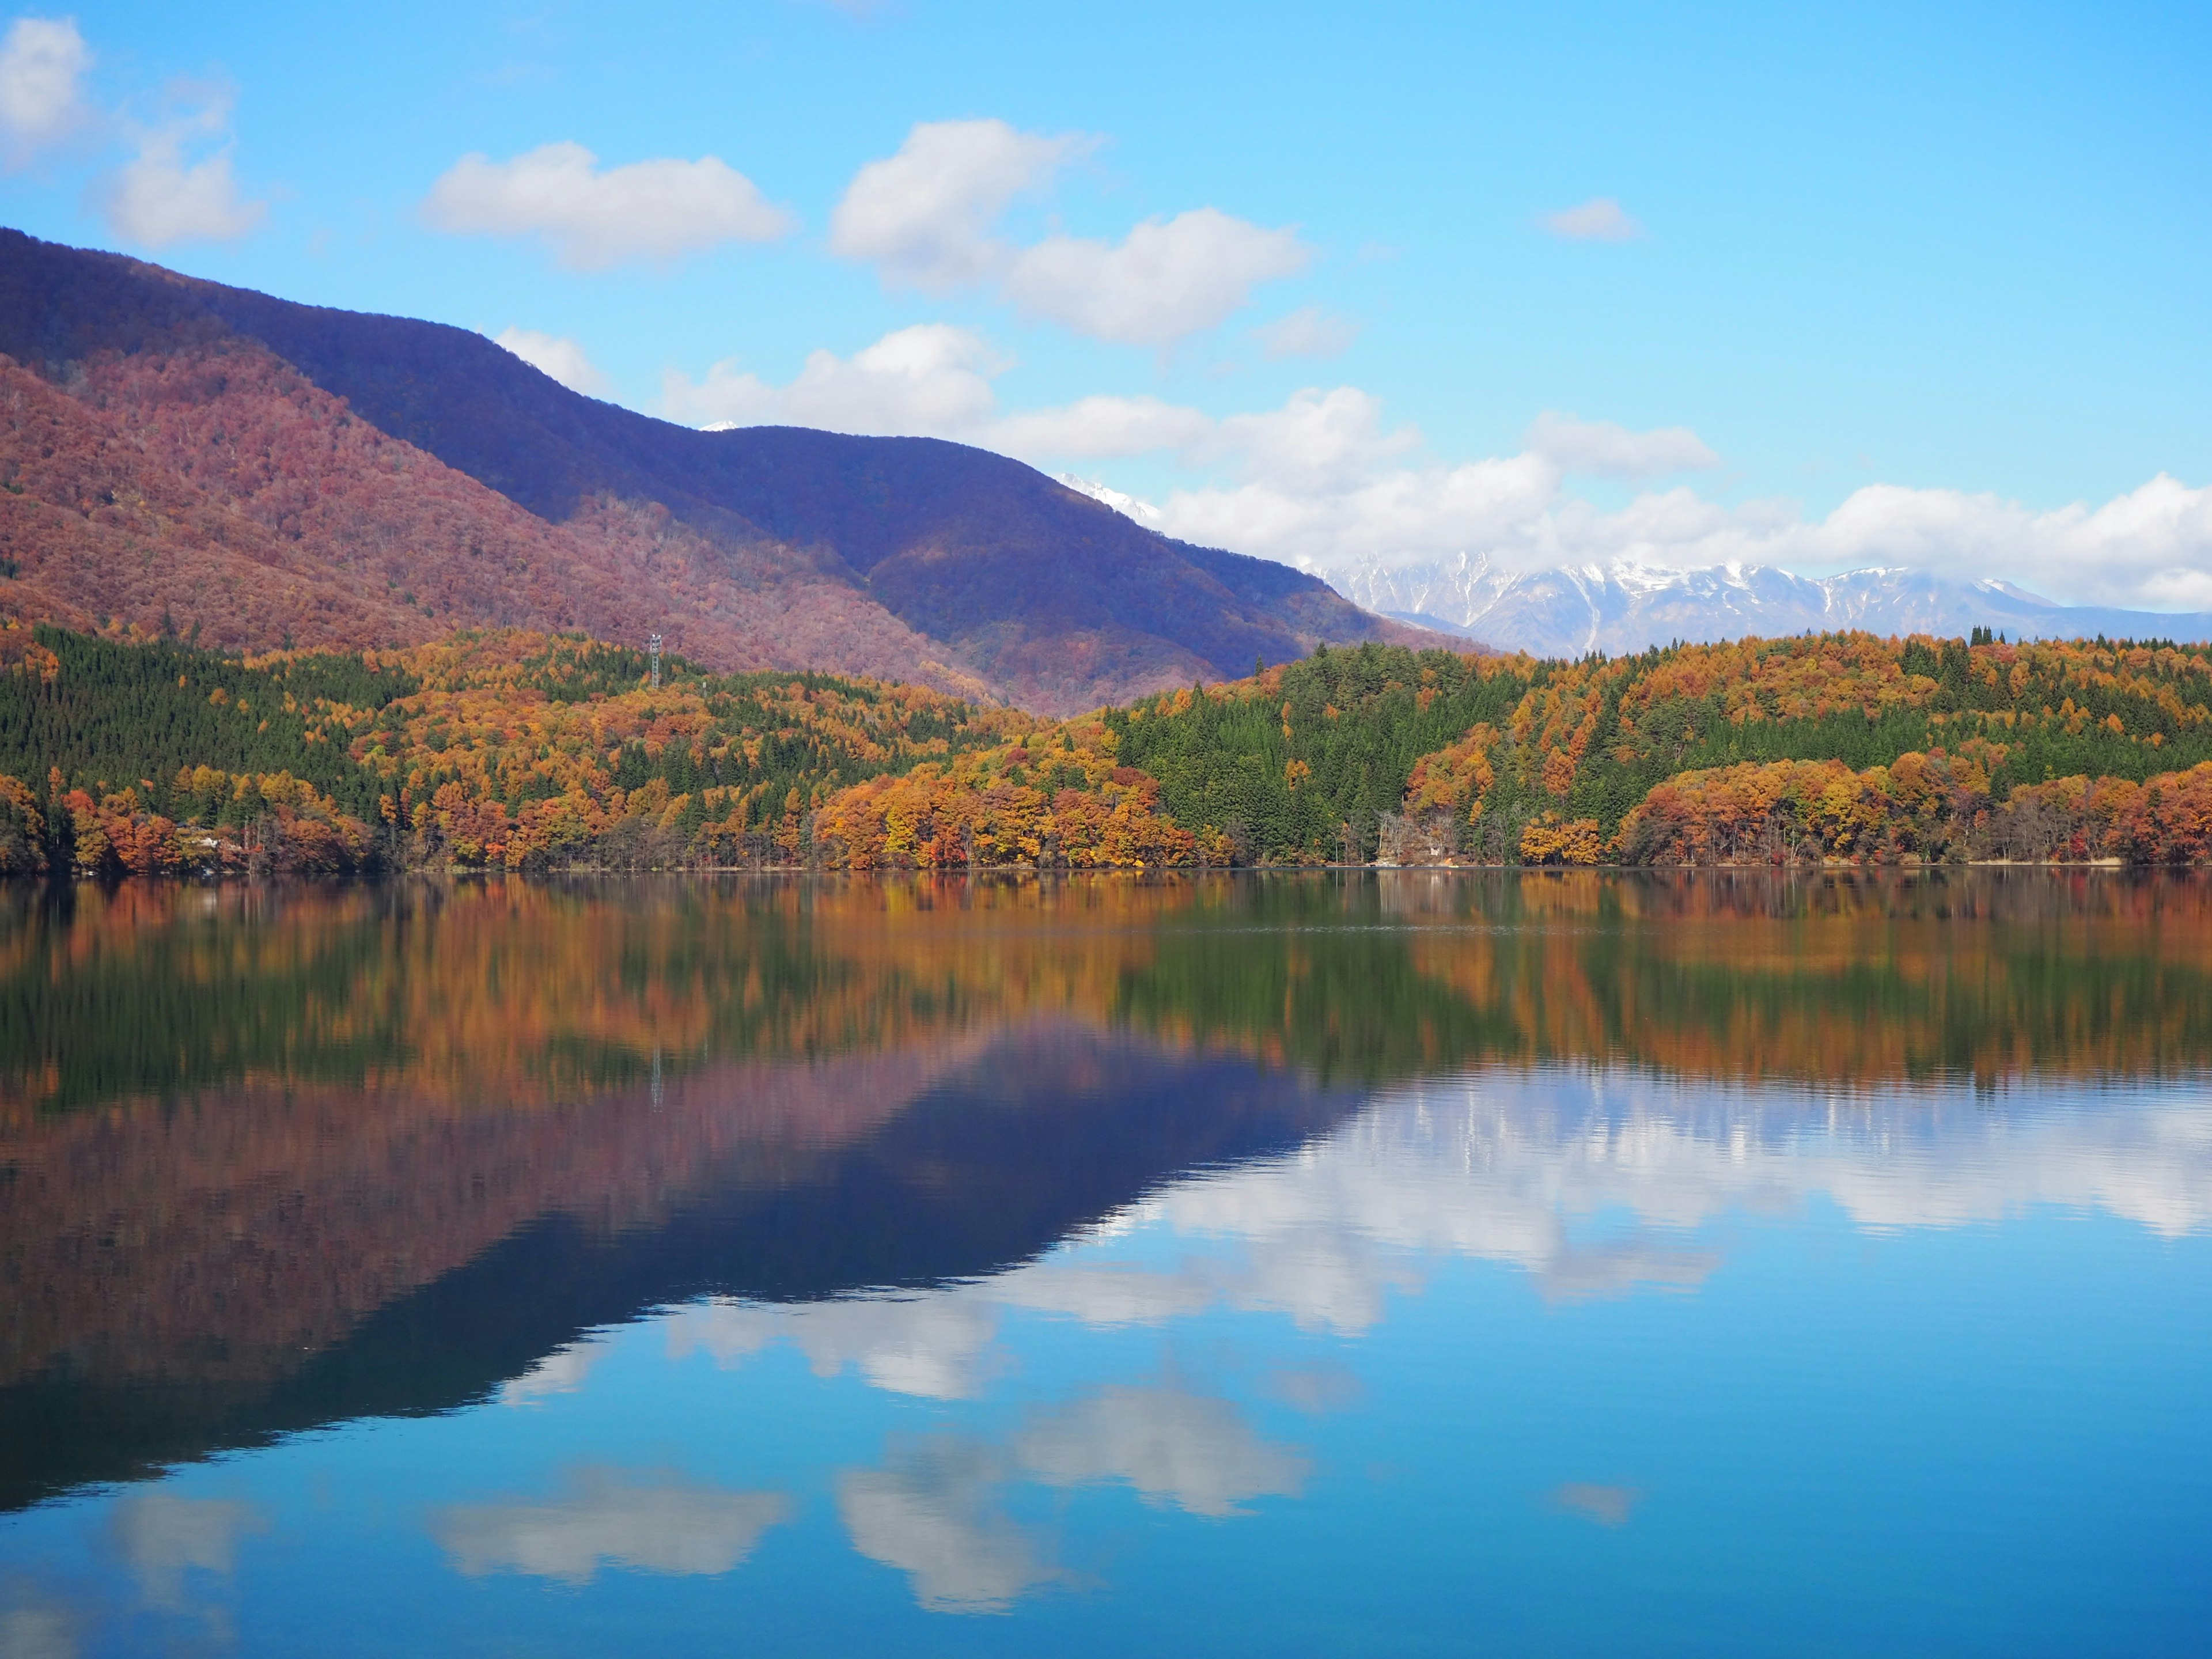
<point x="1191" y="1451"/>
<point x="658" y="209"/>
<point x="1092" y="427"/>
<point x="1602" y="447"/>
<point x="662" y="1525"/>
<point x="561" y="1371"/>
<point x="164" y="196"/>
<point x="1324" y="482"/>
<point x="927" y="217"/>
<point x="160" y="1536"/>
<point x="933" y="1512"/>
<point x="554" y="355"/>
<point x="1167" y="279"/>
<point x="930" y="381"/>
<point x="42" y="61"/>
<point x="1317" y="443"/>
<point x="1103" y="1298"/>
<point x="1308" y="331"/>
<point x="1601" y="219"/>
<point x="1326" y="486"/>
<point x="933" y="1347"/>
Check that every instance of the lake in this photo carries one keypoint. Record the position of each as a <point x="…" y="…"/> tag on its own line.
<point x="1395" y="1263"/>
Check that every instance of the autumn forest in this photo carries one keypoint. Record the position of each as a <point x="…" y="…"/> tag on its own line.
<point x="517" y="751"/>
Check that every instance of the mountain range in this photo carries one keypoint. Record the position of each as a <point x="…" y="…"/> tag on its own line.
<point x="186" y="457"/>
<point x="1625" y="606"/>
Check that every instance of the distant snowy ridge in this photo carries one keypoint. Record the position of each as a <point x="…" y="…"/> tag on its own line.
<point x="1626" y="606"/>
<point x="1129" y="507"/>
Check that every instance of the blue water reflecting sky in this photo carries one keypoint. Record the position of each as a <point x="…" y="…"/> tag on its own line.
<point x="1575" y="1360"/>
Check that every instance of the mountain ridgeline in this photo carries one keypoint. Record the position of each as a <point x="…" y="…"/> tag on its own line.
<point x="1625" y="606"/>
<point x="517" y="751"/>
<point x="263" y="475"/>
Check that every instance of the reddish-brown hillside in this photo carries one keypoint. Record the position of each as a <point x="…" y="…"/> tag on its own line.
<point x="179" y="454"/>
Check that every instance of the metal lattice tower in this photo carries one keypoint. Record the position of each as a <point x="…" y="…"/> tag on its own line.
<point x="654" y="646"/>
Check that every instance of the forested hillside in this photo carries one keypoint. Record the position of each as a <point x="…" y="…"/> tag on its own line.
<point x="510" y="748"/>
<point x="522" y="751"/>
<point x="267" y="475"/>
<point x="1834" y="746"/>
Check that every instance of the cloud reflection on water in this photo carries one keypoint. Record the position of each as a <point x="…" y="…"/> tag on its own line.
<point x="659" y="1523"/>
<point x="935" y="1512"/>
<point x="162" y="1537"/>
<point x="1512" y="1168"/>
<point x="1593" y="1183"/>
<point x="1192" y="1450"/>
<point x="1609" y="1506"/>
<point x="936" y="1508"/>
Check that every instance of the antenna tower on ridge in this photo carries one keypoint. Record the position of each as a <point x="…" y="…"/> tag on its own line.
<point x="654" y="646"/>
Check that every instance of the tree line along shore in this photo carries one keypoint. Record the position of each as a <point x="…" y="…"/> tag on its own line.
<point x="516" y="750"/>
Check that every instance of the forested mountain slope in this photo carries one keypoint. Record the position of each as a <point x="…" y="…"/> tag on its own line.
<point x="179" y="454"/>
<point x="517" y="751"/>
<point x="508" y="747"/>
<point x="1838" y="746"/>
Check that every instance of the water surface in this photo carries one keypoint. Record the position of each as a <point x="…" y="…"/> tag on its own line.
<point x="1400" y="1264"/>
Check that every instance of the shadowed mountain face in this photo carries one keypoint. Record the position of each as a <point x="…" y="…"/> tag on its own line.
<point x="186" y="453"/>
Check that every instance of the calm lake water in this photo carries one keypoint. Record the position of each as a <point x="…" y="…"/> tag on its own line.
<point x="1468" y="1263"/>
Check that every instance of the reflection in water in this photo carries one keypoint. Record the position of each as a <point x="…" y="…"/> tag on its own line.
<point x="660" y="1523"/>
<point x="561" y="1371"/>
<point x="933" y="1510"/>
<point x="37" y="1629"/>
<point x="1609" y="1506"/>
<point x="160" y="1536"/>
<point x="1009" y="1207"/>
<point x="1173" y="1447"/>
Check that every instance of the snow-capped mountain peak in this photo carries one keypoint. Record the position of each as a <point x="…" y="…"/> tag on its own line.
<point x="1630" y="604"/>
<point x="1129" y="507"/>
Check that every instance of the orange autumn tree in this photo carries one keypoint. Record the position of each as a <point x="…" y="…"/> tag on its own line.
<point x="1054" y="799"/>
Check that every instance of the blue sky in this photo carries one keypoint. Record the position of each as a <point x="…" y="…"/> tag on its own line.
<point x="1873" y="285"/>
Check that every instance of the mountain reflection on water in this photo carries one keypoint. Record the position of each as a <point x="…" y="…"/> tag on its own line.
<point x="278" y="1159"/>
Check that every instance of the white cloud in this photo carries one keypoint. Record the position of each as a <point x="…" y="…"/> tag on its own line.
<point x="933" y="1347"/>
<point x="1325" y="483"/>
<point x="1191" y="1451"/>
<point x="933" y="1513"/>
<point x="658" y="209"/>
<point x="1167" y="279"/>
<point x="163" y="195"/>
<point x="561" y="1371"/>
<point x="935" y="381"/>
<point x="1099" y="425"/>
<point x="663" y="1525"/>
<point x="1104" y="1297"/>
<point x="558" y="355"/>
<point x="162" y="1536"/>
<point x="930" y="381"/>
<point x="38" y="1631"/>
<point x="42" y="61"/>
<point x="1317" y="442"/>
<point x="1308" y="331"/>
<point x="1601" y="219"/>
<point x="926" y="217"/>
<point x="1611" y="451"/>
